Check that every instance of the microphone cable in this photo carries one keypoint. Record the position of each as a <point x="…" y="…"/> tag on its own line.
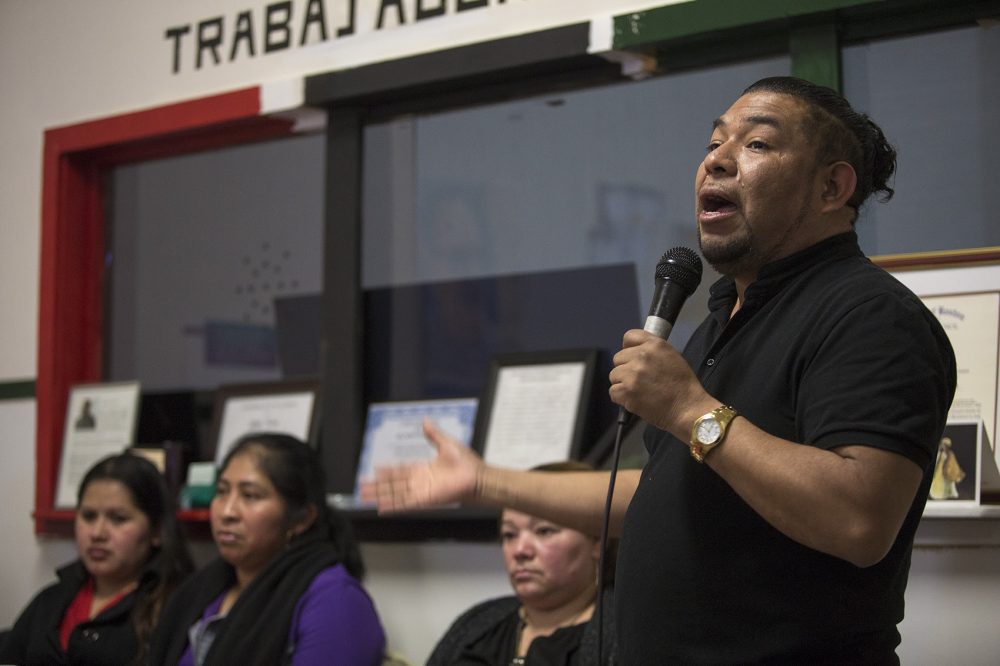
<point x="678" y="274"/>
<point x="624" y="418"/>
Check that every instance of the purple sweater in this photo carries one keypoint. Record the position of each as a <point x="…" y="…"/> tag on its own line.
<point x="334" y="622"/>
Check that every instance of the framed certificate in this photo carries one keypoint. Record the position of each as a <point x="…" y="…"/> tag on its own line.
<point x="962" y="289"/>
<point x="394" y="431"/>
<point x="100" y="421"/>
<point x="534" y="409"/>
<point x="282" y="407"/>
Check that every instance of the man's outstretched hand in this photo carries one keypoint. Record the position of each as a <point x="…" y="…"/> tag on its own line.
<point x="451" y="476"/>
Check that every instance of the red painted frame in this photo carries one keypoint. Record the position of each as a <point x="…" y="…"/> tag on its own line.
<point x="71" y="289"/>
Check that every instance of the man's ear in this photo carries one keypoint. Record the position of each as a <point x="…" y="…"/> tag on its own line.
<point x="839" y="184"/>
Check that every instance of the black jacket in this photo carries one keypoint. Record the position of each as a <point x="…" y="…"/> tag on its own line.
<point x="482" y="618"/>
<point x="108" y="638"/>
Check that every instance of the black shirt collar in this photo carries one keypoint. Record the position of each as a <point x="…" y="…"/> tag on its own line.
<point x="773" y="276"/>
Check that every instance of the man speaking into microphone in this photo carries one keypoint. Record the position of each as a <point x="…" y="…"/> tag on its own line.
<point x="791" y="444"/>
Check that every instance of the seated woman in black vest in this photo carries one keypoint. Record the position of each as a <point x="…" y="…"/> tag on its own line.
<point x="551" y="617"/>
<point x="131" y="557"/>
<point x="286" y="586"/>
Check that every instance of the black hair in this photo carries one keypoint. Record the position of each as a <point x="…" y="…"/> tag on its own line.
<point x="171" y="560"/>
<point x="843" y="133"/>
<point x="295" y="471"/>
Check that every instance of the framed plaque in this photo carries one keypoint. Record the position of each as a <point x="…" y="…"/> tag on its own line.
<point x="534" y="409"/>
<point x="100" y="421"/>
<point x="962" y="289"/>
<point x="394" y="432"/>
<point x="281" y="407"/>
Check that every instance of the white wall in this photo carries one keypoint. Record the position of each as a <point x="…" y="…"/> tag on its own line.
<point x="64" y="62"/>
<point x="952" y="608"/>
<point x="25" y="561"/>
<point x="419" y="589"/>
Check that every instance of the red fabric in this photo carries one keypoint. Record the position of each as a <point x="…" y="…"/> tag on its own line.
<point x="79" y="610"/>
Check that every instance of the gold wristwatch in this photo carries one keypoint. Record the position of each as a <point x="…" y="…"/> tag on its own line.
<point x="709" y="430"/>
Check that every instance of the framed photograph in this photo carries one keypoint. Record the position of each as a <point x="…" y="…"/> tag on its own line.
<point x="962" y="289"/>
<point x="283" y="407"/>
<point x="534" y="408"/>
<point x="100" y="421"/>
<point x="963" y="469"/>
<point x="957" y="467"/>
<point x="394" y="431"/>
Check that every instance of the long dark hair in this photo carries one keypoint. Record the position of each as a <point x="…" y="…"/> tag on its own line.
<point x="170" y="561"/>
<point x="295" y="471"/>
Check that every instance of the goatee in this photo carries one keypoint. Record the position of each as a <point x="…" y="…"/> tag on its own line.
<point x="730" y="256"/>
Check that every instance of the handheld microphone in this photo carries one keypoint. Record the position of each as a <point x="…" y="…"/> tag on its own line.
<point x="677" y="277"/>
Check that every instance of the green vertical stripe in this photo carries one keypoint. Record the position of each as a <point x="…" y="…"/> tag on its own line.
<point x="815" y="53"/>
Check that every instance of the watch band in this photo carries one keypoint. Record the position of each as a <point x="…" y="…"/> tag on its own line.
<point x="722" y="416"/>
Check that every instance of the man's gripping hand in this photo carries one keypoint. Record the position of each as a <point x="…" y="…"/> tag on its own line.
<point x="653" y="381"/>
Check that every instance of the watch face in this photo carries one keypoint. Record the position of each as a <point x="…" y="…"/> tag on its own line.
<point x="709" y="431"/>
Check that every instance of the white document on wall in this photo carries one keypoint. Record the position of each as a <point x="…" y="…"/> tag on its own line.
<point x="288" y="413"/>
<point x="533" y="414"/>
<point x="100" y="421"/>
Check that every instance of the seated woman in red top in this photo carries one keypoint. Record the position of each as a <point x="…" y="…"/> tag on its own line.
<point x="131" y="557"/>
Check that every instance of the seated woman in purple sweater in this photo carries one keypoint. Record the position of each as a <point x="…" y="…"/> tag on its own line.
<point x="285" y="589"/>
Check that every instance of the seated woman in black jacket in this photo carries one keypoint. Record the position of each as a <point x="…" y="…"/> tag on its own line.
<point x="551" y="618"/>
<point x="131" y="557"/>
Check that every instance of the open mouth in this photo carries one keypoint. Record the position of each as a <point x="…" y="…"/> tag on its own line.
<point x="716" y="203"/>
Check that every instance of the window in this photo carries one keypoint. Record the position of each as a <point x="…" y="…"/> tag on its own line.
<point x="554" y="182"/>
<point x="936" y="97"/>
<point x="202" y="245"/>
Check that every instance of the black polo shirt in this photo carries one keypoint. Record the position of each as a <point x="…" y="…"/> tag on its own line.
<point x="827" y="350"/>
